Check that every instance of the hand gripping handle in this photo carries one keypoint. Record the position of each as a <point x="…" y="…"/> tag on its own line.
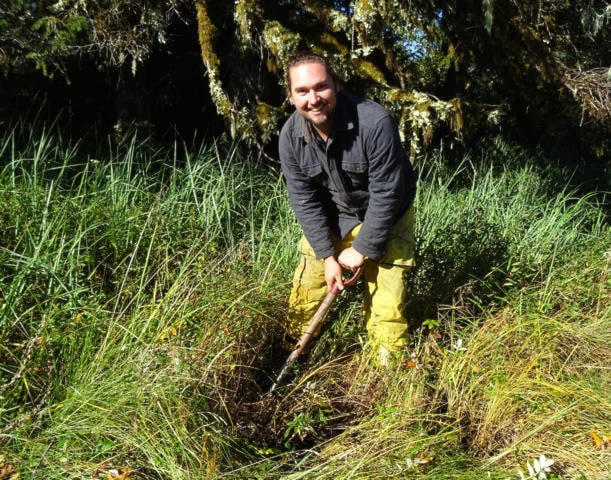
<point x="349" y="281"/>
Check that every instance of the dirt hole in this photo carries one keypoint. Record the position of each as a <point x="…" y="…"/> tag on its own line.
<point x="317" y="402"/>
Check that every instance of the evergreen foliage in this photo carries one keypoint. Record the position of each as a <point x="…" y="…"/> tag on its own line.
<point x="457" y="72"/>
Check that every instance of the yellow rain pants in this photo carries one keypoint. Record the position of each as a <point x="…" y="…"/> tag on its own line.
<point x="385" y="287"/>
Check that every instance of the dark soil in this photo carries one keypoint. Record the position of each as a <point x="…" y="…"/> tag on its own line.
<point x="298" y="414"/>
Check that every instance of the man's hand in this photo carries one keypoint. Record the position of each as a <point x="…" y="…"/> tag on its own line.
<point x="350" y="259"/>
<point x="333" y="273"/>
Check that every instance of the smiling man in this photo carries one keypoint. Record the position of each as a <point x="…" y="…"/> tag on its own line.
<point x="351" y="187"/>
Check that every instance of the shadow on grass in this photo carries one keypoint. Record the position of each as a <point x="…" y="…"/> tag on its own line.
<point x="462" y="260"/>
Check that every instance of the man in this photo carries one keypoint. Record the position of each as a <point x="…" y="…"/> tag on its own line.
<point x="351" y="187"/>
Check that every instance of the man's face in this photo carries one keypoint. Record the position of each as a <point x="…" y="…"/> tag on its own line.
<point x="314" y="94"/>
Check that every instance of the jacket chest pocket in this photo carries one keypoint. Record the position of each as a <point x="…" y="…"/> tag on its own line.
<point x="355" y="173"/>
<point x="311" y="166"/>
<point x="312" y="170"/>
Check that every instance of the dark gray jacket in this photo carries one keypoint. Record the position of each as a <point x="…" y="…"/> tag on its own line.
<point x="361" y="175"/>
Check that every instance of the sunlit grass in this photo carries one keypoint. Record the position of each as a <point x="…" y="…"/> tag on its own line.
<point x="142" y="294"/>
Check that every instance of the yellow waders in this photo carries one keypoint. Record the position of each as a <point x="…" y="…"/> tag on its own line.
<point x="385" y="286"/>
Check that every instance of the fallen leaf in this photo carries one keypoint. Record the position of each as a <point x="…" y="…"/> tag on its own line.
<point x="120" y="474"/>
<point x="6" y="469"/>
<point x="597" y="440"/>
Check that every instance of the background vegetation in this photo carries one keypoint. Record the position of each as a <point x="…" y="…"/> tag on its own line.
<point x="454" y="73"/>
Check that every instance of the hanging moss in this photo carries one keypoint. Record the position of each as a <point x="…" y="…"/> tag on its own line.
<point x="219" y="96"/>
<point x="456" y="118"/>
<point x="206" y="32"/>
<point x="332" y="43"/>
<point x="332" y="19"/>
<point x="245" y="15"/>
<point x="396" y="95"/>
<point x="367" y="69"/>
<point x="281" y="42"/>
<point x="366" y="19"/>
<point x="367" y="11"/>
<point x="268" y="118"/>
<point x="419" y="115"/>
<point x="244" y="126"/>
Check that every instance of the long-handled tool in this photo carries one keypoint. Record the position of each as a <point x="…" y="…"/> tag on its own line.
<point x="313" y="327"/>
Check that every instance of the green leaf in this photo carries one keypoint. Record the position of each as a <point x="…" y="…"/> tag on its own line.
<point x="77" y="24"/>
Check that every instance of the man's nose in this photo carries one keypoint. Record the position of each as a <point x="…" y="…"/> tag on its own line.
<point x="312" y="96"/>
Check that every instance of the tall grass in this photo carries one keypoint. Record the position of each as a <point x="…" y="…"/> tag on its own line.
<point x="142" y="294"/>
<point x="513" y="278"/>
<point x="109" y="287"/>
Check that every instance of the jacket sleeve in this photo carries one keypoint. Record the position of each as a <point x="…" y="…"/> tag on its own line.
<point x="305" y="200"/>
<point x="391" y="187"/>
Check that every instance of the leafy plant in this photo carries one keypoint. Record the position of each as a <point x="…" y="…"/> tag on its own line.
<point x="304" y="423"/>
<point x="431" y="323"/>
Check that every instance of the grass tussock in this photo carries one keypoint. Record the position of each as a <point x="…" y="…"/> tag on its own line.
<point x="142" y="295"/>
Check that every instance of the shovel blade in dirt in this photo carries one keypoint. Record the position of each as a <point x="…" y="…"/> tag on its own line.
<point x="313" y="328"/>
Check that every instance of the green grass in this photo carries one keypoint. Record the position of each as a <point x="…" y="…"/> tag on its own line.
<point x="142" y="294"/>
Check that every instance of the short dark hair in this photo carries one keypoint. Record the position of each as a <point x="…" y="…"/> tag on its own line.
<point x="300" y="58"/>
